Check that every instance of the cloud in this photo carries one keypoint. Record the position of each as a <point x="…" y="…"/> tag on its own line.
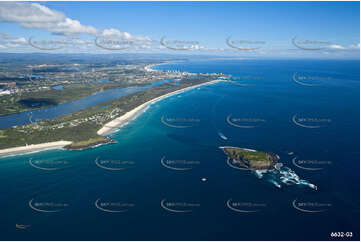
<point x="115" y="33"/>
<point x="34" y="15"/>
<point x="336" y="47"/>
<point x="67" y="27"/>
<point x="356" y="46"/>
<point x="28" y="13"/>
<point x="7" y="41"/>
<point x="20" y="40"/>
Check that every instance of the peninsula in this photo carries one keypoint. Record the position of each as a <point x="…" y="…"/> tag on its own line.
<point x="87" y="128"/>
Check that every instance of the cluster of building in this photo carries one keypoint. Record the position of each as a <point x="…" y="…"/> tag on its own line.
<point x="6" y="87"/>
<point x="99" y="118"/>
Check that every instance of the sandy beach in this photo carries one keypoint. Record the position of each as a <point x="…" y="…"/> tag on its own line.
<point x="148" y="68"/>
<point x="30" y="148"/>
<point x="105" y="129"/>
<point x="132" y="113"/>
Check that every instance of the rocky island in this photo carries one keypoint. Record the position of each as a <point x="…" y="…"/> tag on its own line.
<point x="251" y="159"/>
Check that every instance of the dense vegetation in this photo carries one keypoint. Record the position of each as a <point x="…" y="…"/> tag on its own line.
<point x="255" y="160"/>
<point x="85" y="133"/>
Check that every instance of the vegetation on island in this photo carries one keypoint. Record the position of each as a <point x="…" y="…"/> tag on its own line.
<point x="253" y="160"/>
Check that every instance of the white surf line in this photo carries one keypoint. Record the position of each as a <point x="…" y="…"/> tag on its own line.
<point x="120" y="121"/>
<point x="148" y="68"/>
<point x="30" y="148"/>
<point x="223" y="147"/>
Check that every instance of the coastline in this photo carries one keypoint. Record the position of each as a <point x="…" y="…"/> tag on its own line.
<point x="31" y="148"/>
<point x="148" y="68"/>
<point x="108" y="127"/>
<point x="120" y="121"/>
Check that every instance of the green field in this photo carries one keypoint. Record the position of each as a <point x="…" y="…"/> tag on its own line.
<point x="69" y="127"/>
<point x="10" y="104"/>
<point x="255" y="160"/>
<point x="248" y="155"/>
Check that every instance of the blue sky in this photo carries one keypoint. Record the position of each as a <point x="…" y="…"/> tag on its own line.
<point x="207" y="23"/>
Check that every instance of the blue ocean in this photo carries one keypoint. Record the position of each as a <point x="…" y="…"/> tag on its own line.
<point x="166" y="178"/>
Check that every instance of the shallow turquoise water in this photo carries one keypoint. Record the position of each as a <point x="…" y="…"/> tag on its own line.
<point x="138" y="182"/>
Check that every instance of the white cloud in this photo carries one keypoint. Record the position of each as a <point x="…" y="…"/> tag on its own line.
<point x="66" y="27"/>
<point x="356" y="46"/>
<point x="34" y="15"/>
<point x="20" y="40"/>
<point x="115" y="33"/>
<point x="336" y="47"/>
<point x="28" y="13"/>
<point x="8" y="41"/>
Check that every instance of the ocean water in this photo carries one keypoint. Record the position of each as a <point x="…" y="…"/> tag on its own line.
<point x="167" y="179"/>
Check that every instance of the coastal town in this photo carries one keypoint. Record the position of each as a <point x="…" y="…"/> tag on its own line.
<point x="54" y="85"/>
<point x="25" y="86"/>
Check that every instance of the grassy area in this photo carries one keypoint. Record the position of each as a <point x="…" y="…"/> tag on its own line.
<point x="90" y="142"/>
<point x="248" y="155"/>
<point x="15" y="103"/>
<point x="76" y="134"/>
<point x="256" y="160"/>
<point x="2" y="134"/>
<point x="84" y="133"/>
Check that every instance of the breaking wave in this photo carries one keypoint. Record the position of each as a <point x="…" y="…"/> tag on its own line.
<point x="281" y="174"/>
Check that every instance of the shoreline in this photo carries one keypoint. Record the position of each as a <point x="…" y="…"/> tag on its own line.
<point x="148" y="68"/>
<point x="108" y="127"/>
<point x="37" y="147"/>
<point x="122" y="120"/>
